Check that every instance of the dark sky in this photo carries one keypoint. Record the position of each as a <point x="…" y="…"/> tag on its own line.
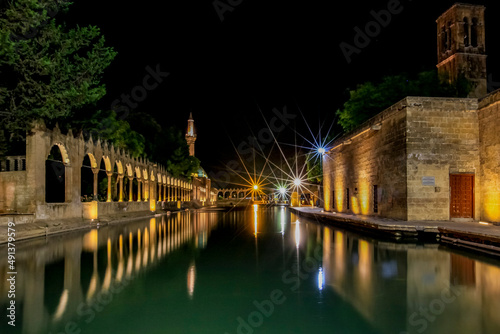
<point x="264" y="55"/>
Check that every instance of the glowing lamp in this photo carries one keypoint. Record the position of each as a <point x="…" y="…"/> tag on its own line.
<point x="297" y="182"/>
<point x="321" y="150"/>
<point x="282" y="190"/>
<point x="255" y="187"/>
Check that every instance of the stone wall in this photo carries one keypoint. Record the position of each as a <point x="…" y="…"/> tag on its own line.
<point x="408" y="151"/>
<point x="14" y="197"/>
<point x="442" y="139"/>
<point x="489" y="139"/>
<point x="372" y="155"/>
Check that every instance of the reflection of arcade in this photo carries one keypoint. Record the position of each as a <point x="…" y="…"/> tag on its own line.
<point x="381" y="279"/>
<point x="128" y="250"/>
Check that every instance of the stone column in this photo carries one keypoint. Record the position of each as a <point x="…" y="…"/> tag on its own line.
<point x="109" y="174"/>
<point x="139" y="190"/>
<point x="96" y="175"/>
<point x="130" y="188"/>
<point x="164" y="193"/>
<point x="120" y="195"/>
<point x="68" y="183"/>
<point x="146" y="190"/>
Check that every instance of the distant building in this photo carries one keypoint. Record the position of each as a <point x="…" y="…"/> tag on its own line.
<point x="191" y="134"/>
<point x="202" y="185"/>
<point x="427" y="158"/>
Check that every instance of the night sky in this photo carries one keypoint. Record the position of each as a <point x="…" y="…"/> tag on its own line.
<point x="263" y="55"/>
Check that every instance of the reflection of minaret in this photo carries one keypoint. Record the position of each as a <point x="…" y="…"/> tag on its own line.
<point x="191" y="134"/>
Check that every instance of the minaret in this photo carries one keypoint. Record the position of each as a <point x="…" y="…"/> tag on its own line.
<point x="461" y="46"/>
<point x="191" y="134"/>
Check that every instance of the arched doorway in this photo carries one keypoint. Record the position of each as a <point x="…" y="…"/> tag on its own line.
<point x="55" y="176"/>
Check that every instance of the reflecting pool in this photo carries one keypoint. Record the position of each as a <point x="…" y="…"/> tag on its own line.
<point x="260" y="270"/>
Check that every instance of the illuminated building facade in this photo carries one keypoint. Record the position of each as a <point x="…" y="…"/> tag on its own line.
<point x="426" y="158"/>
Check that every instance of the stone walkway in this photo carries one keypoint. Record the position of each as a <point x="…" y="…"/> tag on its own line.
<point x="473" y="235"/>
<point x="41" y="228"/>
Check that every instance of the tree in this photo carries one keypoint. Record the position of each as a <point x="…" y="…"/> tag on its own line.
<point x="165" y="145"/>
<point x="370" y="98"/>
<point x="47" y="71"/>
<point x="106" y="125"/>
<point x="314" y="168"/>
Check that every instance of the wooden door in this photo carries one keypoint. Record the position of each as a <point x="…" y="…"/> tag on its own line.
<point x="461" y="196"/>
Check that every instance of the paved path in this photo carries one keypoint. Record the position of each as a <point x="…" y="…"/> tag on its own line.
<point x="485" y="238"/>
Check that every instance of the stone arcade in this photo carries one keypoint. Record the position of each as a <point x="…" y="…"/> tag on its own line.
<point x="40" y="188"/>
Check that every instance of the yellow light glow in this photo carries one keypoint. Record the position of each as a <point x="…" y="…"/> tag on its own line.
<point x="484" y="223"/>
<point x="364" y="259"/>
<point x="90" y="241"/>
<point x="255" y="223"/>
<point x="297" y="234"/>
<point x="255" y="187"/>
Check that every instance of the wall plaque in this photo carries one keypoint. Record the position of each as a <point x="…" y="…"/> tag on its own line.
<point x="429" y="181"/>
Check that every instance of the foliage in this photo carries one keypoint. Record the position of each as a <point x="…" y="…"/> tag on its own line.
<point x="47" y="72"/>
<point x="106" y="125"/>
<point x="166" y="146"/>
<point x="52" y="73"/>
<point x="370" y="98"/>
<point x="314" y="168"/>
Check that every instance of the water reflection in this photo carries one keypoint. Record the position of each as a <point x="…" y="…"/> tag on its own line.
<point x="92" y="265"/>
<point x="412" y="288"/>
<point x="329" y="279"/>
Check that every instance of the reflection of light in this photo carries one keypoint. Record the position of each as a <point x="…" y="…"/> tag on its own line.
<point x="121" y="268"/>
<point x="107" y="276"/>
<point x="90" y="241"/>
<point x="297" y="182"/>
<point x="255" y="207"/>
<point x="364" y="259"/>
<point x="297" y="233"/>
<point x="191" y="279"/>
<point x="321" y="150"/>
<point x="130" y="254"/>
<point x="282" y="220"/>
<point x="63" y="302"/>
<point x="484" y="223"/>
<point x="321" y="279"/>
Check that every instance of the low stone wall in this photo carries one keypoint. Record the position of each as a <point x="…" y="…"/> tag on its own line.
<point x="14" y="196"/>
<point x="112" y="208"/>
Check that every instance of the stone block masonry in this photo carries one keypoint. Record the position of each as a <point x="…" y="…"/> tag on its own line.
<point x="442" y="138"/>
<point x="398" y="164"/>
<point x="373" y="155"/>
<point x="489" y="139"/>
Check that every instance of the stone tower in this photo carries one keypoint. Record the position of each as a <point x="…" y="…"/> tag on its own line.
<point x="191" y="134"/>
<point x="461" y="46"/>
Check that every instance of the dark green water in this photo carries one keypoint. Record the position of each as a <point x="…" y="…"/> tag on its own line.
<point x="245" y="272"/>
